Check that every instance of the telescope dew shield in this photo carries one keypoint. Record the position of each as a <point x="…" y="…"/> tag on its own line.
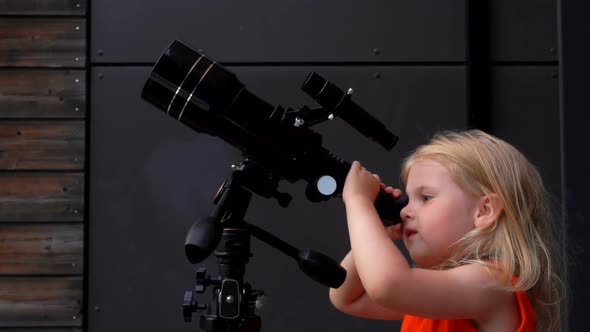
<point x="198" y="92"/>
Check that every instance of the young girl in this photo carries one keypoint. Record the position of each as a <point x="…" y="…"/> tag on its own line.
<point x="479" y="231"/>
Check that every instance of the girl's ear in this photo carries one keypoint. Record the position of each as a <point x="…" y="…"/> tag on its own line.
<point x="489" y="208"/>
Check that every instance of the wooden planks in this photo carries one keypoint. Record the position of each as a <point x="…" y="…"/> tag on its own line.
<point x="41" y="197"/>
<point x="41" y="145"/>
<point x="43" y="7"/>
<point x="49" y="93"/>
<point x="42" y="42"/>
<point x="42" y="156"/>
<point x="43" y="329"/>
<point x="53" y="249"/>
<point x="40" y="301"/>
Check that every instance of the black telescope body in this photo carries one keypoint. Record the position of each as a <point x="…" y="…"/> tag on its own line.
<point x="210" y="99"/>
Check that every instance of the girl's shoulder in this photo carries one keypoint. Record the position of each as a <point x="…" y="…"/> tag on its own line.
<point x="473" y="293"/>
<point x="468" y="291"/>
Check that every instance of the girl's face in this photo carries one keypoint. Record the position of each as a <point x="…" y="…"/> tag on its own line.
<point x="439" y="213"/>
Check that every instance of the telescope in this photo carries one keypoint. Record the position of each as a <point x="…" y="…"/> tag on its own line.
<point x="277" y="144"/>
<point x="207" y="97"/>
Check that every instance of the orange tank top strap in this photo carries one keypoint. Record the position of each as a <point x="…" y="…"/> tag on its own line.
<point x="527" y="314"/>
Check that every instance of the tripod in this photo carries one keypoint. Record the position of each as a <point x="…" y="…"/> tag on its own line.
<point x="233" y="305"/>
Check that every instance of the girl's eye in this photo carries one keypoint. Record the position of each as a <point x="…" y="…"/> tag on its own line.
<point x="426" y="198"/>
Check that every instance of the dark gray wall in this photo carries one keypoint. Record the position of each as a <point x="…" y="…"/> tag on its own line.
<point x="574" y="73"/>
<point x="151" y="177"/>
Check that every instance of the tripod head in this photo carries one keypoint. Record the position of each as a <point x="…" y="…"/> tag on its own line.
<point x="234" y="303"/>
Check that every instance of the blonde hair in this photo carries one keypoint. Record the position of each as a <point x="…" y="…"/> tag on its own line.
<point x="523" y="241"/>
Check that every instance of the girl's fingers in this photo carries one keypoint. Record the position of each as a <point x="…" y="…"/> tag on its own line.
<point x="397" y="193"/>
<point x="356" y="165"/>
<point x="395" y="232"/>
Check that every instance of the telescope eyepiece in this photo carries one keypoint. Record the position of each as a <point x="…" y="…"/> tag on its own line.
<point x="332" y="97"/>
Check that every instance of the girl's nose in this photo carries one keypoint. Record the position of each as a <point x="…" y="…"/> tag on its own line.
<point x="406" y="213"/>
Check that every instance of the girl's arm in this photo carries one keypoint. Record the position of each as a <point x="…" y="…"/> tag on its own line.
<point x="352" y="299"/>
<point x="389" y="281"/>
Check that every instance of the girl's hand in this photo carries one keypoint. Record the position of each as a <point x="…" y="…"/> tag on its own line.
<point x="395" y="231"/>
<point x="361" y="183"/>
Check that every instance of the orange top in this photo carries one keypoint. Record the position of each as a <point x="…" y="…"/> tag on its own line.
<point x="414" y="323"/>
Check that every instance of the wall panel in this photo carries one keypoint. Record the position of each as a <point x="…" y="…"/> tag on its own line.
<point x="523" y="31"/>
<point x="525" y="111"/>
<point x="286" y="31"/>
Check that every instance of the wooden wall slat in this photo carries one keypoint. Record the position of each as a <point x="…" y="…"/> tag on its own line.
<point x="41" y="197"/>
<point x="42" y="93"/>
<point x="43" y="7"/>
<point x="41" y="249"/>
<point x="40" y="301"/>
<point x="42" y="142"/>
<point x="42" y="42"/>
<point x="41" y="145"/>
<point x="42" y="329"/>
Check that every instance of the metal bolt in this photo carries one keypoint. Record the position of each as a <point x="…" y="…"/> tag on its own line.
<point x="96" y="308"/>
<point x="77" y="5"/>
<point x="298" y="122"/>
<point x="331" y="117"/>
<point x="77" y="28"/>
<point x="73" y="264"/>
<point x="74" y="317"/>
<point x="376" y="51"/>
<point x="100" y="52"/>
<point x="77" y="59"/>
<point x="377" y="75"/>
<point x="76" y="211"/>
<point x="76" y="109"/>
<point x="100" y="76"/>
<point x="229" y="299"/>
<point x="350" y="91"/>
<point x="77" y="80"/>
